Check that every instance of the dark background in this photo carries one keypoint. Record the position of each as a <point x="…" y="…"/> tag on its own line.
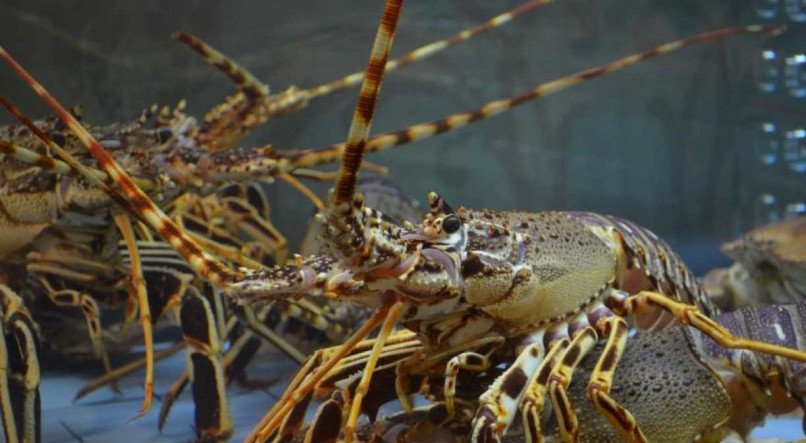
<point x="664" y="143"/>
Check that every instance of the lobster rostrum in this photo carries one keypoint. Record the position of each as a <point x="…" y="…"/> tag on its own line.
<point x="458" y="281"/>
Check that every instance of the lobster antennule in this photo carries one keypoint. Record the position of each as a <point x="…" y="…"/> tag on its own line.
<point x="213" y="270"/>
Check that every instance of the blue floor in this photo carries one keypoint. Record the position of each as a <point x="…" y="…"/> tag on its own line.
<point x="104" y="416"/>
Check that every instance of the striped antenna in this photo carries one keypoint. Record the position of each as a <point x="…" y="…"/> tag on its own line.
<point x="242" y="78"/>
<point x="69" y="166"/>
<point x="426" y="51"/>
<point x="204" y="264"/>
<point x="365" y="108"/>
<point x="305" y="158"/>
<point x="253" y="104"/>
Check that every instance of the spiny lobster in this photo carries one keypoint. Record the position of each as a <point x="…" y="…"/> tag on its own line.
<point x="770" y="267"/>
<point x="175" y="156"/>
<point x="507" y="283"/>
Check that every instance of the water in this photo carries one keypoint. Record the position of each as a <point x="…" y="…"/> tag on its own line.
<point x="698" y="145"/>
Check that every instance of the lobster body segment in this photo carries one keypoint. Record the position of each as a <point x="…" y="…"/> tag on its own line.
<point x="524" y="270"/>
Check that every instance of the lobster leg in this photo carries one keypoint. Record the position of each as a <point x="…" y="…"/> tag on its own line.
<point x="179" y="385"/>
<point x="598" y="389"/>
<point x="691" y="316"/>
<point x="19" y="373"/>
<point x="531" y="406"/>
<point x="138" y="290"/>
<point x="246" y="215"/>
<point x="499" y="402"/>
<point x="308" y="377"/>
<point x="467" y="361"/>
<point x="88" y="305"/>
<point x="327" y="421"/>
<point x="6" y="408"/>
<point x="395" y="312"/>
<point x="345" y="379"/>
<point x="122" y="371"/>
<point x="204" y="357"/>
<point x="255" y="323"/>
<point x="581" y="344"/>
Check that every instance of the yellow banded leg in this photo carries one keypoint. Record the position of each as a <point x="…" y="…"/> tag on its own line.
<point x="20" y="401"/>
<point x="309" y="376"/>
<point x="122" y="371"/>
<point x="256" y="325"/>
<point x="467" y="361"/>
<point x="531" y="405"/>
<point x="6" y="406"/>
<point x="581" y="344"/>
<point x="395" y="312"/>
<point x="499" y="403"/>
<point x="598" y="390"/>
<point x="344" y="378"/>
<point x="138" y="288"/>
<point x="690" y="315"/>
<point x="200" y="330"/>
<point x="246" y="216"/>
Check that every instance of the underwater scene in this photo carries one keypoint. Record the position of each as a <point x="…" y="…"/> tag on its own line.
<point x="388" y="221"/>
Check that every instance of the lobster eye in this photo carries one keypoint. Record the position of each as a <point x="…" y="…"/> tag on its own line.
<point x="451" y="224"/>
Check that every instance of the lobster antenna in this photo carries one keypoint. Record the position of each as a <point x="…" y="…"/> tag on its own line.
<point x="201" y="262"/>
<point x="254" y="104"/>
<point x="304" y="158"/>
<point x="243" y="79"/>
<point x="69" y="166"/>
<point x="365" y="108"/>
<point x="426" y="51"/>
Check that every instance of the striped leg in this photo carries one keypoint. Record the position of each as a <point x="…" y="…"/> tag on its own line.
<point x="19" y="371"/>
<point x="395" y="312"/>
<point x="466" y="361"/>
<point x="255" y="322"/>
<point x="312" y="372"/>
<point x="531" y="405"/>
<point x="691" y="316"/>
<point x="615" y="329"/>
<point x="581" y="344"/>
<point x="7" y="406"/>
<point x="204" y="357"/>
<point x="122" y="371"/>
<point x="138" y="291"/>
<point x="500" y="401"/>
<point x="247" y="207"/>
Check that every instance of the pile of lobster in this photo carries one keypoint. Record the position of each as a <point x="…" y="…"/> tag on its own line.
<point x="586" y="326"/>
